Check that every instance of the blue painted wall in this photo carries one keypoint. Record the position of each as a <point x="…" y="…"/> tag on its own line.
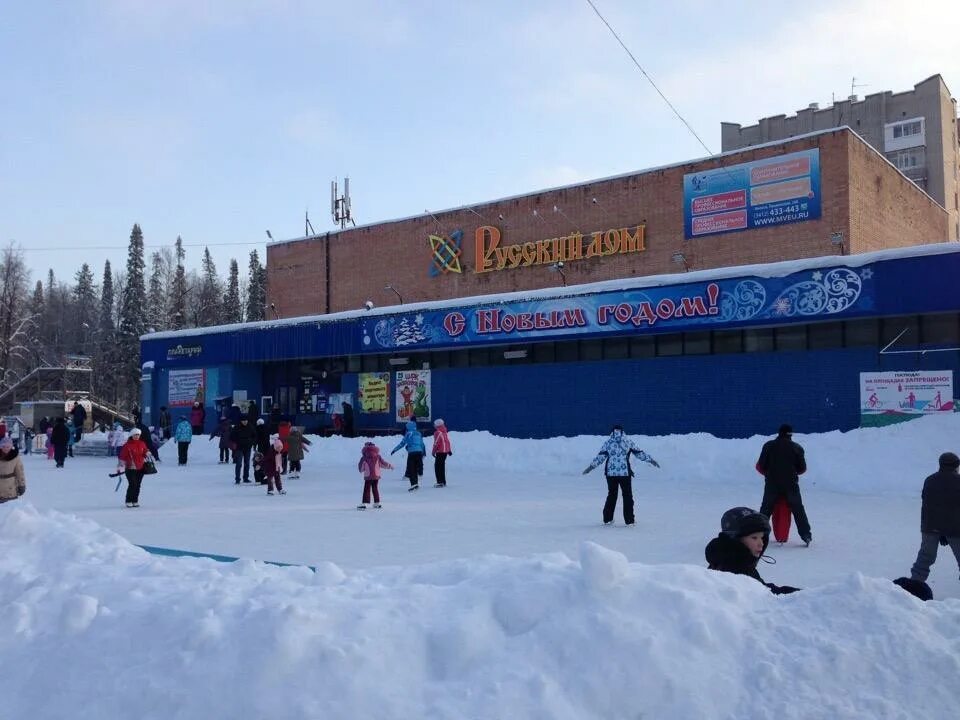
<point x="735" y="395"/>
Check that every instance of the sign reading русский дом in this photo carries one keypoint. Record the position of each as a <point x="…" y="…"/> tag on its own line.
<point x="492" y="255"/>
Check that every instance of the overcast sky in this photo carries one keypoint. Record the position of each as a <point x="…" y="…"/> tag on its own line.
<point x="219" y="120"/>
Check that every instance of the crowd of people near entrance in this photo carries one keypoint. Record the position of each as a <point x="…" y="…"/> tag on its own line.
<point x="271" y="447"/>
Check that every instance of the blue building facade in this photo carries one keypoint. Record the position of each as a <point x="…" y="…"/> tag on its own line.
<point x="733" y="352"/>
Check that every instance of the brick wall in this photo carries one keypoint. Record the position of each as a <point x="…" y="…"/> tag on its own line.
<point x="363" y="260"/>
<point x="886" y="209"/>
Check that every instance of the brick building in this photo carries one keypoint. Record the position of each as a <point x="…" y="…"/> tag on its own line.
<point x="631" y="225"/>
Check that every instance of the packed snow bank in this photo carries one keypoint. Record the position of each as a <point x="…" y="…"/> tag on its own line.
<point x="95" y="628"/>
<point x="891" y="460"/>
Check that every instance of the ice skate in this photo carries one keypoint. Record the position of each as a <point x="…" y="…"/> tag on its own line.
<point x="377" y="506"/>
<point x="413" y="487"/>
<point x="361" y="507"/>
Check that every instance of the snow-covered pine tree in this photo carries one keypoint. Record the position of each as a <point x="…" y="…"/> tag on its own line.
<point x="209" y="297"/>
<point x="85" y="310"/>
<point x="256" y="289"/>
<point x="132" y="320"/>
<point x="177" y="308"/>
<point x="104" y="354"/>
<point x="232" y="309"/>
<point x="156" y="294"/>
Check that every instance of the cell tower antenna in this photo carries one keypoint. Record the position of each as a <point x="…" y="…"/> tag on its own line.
<point x="340" y="208"/>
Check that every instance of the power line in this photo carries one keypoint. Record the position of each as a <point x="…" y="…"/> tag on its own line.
<point x="146" y="246"/>
<point x="650" y="79"/>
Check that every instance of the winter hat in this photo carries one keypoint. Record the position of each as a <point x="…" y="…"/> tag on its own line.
<point x="949" y="461"/>
<point x="739" y="522"/>
<point x="438" y="422"/>
<point x="411" y="425"/>
<point x="785" y="429"/>
<point x="6" y="443"/>
<point x="278" y="445"/>
<point x="259" y="421"/>
<point x="135" y="431"/>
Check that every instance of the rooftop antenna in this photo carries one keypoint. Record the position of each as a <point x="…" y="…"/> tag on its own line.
<point x="854" y="85"/>
<point x="307" y="226"/>
<point x="340" y="204"/>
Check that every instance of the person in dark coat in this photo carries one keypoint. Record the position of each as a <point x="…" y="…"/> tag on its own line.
<point x="275" y="417"/>
<point x="744" y="536"/>
<point x="781" y="463"/>
<point x="60" y="437"/>
<point x="146" y="436"/>
<point x="235" y="413"/>
<point x="243" y="438"/>
<point x="939" y="515"/>
<point x="79" y="414"/>
<point x="263" y="436"/>
<point x="166" y="423"/>
<point x="222" y="431"/>
<point x="253" y="413"/>
<point x="44" y="424"/>
<point x="348" y="429"/>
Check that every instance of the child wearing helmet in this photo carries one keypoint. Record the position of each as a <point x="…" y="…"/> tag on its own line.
<point x="744" y="536"/>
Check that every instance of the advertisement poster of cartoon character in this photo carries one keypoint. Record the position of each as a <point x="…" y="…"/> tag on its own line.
<point x="413" y="395"/>
<point x="920" y="392"/>
<point x="374" y="392"/>
<point x="185" y="386"/>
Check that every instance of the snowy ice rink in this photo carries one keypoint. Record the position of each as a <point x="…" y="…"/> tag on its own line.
<point x="501" y="595"/>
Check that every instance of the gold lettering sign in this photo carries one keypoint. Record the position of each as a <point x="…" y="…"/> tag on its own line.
<point x="492" y="255"/>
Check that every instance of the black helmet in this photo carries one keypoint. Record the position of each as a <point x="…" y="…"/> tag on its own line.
<point x="739" y="522"/>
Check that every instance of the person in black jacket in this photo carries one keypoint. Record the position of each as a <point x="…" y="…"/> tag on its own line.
<point x="263" y="436"/>
<point x="60" y="437"/>
<point x="744" y="536"/>
<point x="782" y="463"/>
<point x="939" y="515"/>
<point x="243" y="438"/>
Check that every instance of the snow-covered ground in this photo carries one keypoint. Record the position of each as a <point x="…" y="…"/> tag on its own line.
<point x="500" y="596"/>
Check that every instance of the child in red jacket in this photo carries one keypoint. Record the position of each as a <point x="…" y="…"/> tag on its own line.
<point x="441" y="450"/>
<point x="370" y="464"/>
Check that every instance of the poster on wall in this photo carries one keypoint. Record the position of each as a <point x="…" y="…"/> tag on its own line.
<point x="921" y="392"/>
<point x="336" y="400"/>
<point x="773" y="191"/>
<point x="185" y="386"/>
<point x="374" y="392"/>
<point x="413" y="396"/>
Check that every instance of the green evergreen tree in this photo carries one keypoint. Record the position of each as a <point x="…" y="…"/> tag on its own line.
<point x="132" y="319"/>
<point x="85" y="309"/>
<point x="232" y="308"/>
<point x="178" y="291"/>
<point x="256" y="289"/>
<point x="209" y="296"/>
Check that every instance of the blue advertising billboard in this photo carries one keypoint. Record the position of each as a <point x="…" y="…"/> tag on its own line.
<point x="774" y="191"/>
<point x="800" y="297"/>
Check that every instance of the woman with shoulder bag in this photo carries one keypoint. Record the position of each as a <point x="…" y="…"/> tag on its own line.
<point x="135" y="461"/>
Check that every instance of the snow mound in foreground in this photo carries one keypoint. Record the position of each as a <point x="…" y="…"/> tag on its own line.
<point x="94" y="627"/>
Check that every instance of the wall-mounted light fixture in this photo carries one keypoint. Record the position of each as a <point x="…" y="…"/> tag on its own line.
<point x="395" y="292"/>
<point x="398" y="361"/>
<point x="368" y="305"/>
<point x="836" y="239"/>
<point x="557" y="267"/>
<point x="680" y="259"/>
<point x="514" y="354"/>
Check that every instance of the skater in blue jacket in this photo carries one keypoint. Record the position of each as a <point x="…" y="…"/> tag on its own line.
<point x="615" y="453"/>
<point x="413" y="442"/>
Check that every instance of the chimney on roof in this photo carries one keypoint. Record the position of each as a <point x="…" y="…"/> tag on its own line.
<point x="813" y="106"/>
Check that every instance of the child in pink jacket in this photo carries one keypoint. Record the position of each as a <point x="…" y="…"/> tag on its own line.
<point x="441" y="450"/>
<point x="370" y="464"/>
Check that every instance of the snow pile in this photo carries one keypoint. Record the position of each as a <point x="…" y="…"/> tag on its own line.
<point x="96" y="628"/>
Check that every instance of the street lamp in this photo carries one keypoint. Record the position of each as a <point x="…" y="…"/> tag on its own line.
<point x="275" y="311"/>
<point x="395" y="292"/>
<point x="680" y="259"/>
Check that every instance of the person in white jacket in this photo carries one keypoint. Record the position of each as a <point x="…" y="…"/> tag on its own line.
<point x="13" y="482"/>
<point x="615" y="453"/>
